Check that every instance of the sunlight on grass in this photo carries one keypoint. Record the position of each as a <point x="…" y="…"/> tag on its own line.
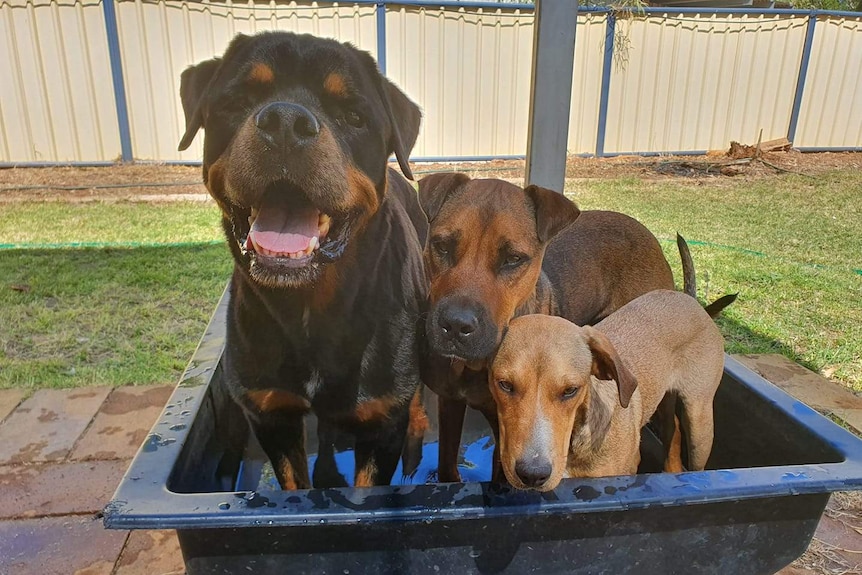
<point x="795" y="218"/>
<point x="800" y="294"/>
<point x="55" y="223"/>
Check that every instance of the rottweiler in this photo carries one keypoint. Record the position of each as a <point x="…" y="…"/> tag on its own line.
<point x="328" y="282"/>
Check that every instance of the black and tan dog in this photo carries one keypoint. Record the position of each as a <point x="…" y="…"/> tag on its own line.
<point x="496" y="251"/>
<point x="328" y="281"/>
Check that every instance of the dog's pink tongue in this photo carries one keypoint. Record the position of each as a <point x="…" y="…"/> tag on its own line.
<point x="280" y="230"/>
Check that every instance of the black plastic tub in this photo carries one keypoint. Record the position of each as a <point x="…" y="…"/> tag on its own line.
<point x="774" y="464"/>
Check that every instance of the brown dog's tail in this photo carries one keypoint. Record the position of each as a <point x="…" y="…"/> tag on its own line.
<point x="688" y="277"/>
<point x="690" y="281"/>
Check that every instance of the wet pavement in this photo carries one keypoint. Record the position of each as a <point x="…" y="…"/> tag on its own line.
<point x="63" y="452"/>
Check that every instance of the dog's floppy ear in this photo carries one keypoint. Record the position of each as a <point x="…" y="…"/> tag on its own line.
<point x="553" y="211"/>
<point x="404" y="117"/>
<point x="193" y="85"/>
<point x="434" y="189"/>
<point x="608" y="365"/>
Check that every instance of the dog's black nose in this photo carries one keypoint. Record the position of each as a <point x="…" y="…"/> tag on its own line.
<point x="533" y="474"/>
<point x="286" y="125"/>
<point x="461" y="327"/>
<point x="458" y="322"/>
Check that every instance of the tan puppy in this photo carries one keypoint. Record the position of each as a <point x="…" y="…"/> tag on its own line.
<point x="559" y="413"/>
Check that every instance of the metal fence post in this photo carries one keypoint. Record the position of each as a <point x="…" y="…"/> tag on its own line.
<point x="380" y="11"/>
<point x="803" y="72"/>
<point x="606" y="84"/>
<point x="551" y="92"/>
<point x="113" y="37"/>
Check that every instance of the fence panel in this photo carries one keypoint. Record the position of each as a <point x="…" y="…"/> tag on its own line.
<point x="694" y="84"/>
<point x="831" y="113"/>
<point x="159" y="39"/>
<point x="679" y="81"/>
<point x="470" y="73"/>
<point x="587" y="83"/>
<point x="56" y="102"/>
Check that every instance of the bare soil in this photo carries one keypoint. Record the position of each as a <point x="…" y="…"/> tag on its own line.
<point x="158" y="182"/>
<point x="120" y="182"/>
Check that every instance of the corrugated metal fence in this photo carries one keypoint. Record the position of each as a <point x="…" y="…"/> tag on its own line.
<point x="89" y="81"/>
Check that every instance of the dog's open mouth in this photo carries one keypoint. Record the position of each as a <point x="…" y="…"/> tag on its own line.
<point x="288" y="231"/>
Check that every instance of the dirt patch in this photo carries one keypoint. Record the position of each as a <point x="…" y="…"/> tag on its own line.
<point x="712" y="166"/>
<point x="144" y="182"/>
<point x="156" y="182"/>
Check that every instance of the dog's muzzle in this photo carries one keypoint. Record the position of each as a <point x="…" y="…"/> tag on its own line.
<point x="533" y="473"/>
<point x="462" y="329"/>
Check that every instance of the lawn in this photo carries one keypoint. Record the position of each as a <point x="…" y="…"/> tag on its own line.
<point x="126" y="301"/>
<point x="90" y="315"/>
<point x="790" y="245"/>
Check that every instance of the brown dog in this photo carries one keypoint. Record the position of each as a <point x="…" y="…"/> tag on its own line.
<point x="561" y="416"/>
<point x="496" y="251"/>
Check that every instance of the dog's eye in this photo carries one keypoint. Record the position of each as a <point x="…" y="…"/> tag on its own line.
<point x="353" y="118"/>
<point x="505" y="386"/>
<point x="230" y="104"/>
<point x="513" y="260"/>
<point x="570" y="392"/>
<point x="440" y="246"/>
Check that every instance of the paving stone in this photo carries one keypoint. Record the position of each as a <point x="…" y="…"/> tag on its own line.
<point x="46" y="426"/>
<point x="151" y="553"/>
<point x="122" y="423"/>
<point x="58" y="488"/>
<point x="9" y="400"/>
<point x="58" y="546"/>
<point x="806" y="386"/>
<point x="837" y="545"/>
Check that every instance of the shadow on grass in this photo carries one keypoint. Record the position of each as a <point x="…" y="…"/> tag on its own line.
<point x="89" y="316"/>
<point x="96" y="316"/>
<point x="741" y="339"/>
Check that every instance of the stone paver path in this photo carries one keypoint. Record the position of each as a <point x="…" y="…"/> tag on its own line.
<point x="62" y="454"/>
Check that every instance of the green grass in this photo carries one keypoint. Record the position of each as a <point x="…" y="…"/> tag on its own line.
<point x="105" y="316"/>
<point x="57" y="223"/>
<point x="91" y="316"/>
<point x="791" y="246"/>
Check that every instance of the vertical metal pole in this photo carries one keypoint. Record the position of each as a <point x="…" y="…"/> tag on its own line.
<point x="606" y="84"/>
<point x="380" y="11"/>
<point x="113" y="37"/>
<point x="551" y="92"/>
<point x="800" y="81"/>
